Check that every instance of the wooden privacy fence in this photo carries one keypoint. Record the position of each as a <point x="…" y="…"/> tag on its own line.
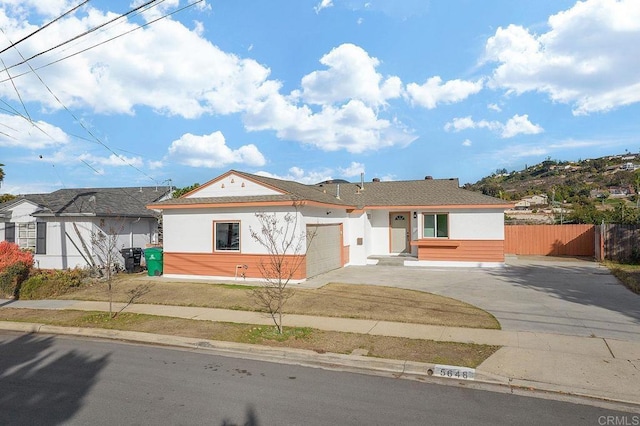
<point x="618" y="242"/>
<point x="550" y="240"/>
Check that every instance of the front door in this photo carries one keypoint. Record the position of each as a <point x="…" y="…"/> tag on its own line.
<point x="399" y="229"/>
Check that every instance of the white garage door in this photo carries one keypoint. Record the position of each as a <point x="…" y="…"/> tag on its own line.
<point x="324" y="251"/>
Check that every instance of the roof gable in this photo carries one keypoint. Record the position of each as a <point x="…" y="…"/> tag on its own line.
<point x="233" y="184"/>
<point x="17" y="202"/>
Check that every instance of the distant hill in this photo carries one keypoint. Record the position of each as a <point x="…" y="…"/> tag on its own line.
<point x="569" y="181"/>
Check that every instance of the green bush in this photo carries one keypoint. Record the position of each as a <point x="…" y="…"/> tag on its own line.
<point x="12" y="277"/>
<point x="44" y="284"/>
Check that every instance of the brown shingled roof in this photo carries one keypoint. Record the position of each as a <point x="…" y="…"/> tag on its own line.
<point x="428" y="192"/>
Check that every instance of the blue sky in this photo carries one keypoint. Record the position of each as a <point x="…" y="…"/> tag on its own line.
<point x="311" y="90"/>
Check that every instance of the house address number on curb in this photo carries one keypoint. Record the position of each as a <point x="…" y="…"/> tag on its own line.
<point x="453" y="372"/>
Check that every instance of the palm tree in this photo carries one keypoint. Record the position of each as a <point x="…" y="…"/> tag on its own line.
<point x="1" y="173"/>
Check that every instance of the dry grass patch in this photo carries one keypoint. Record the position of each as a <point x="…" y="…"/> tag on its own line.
<point x="629" y="275"/>
<point x="428" y="351"/>
<point x="332" y="300"/>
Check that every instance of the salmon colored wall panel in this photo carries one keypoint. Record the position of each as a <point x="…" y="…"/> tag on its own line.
<point x="219" y="264"/>
<point x="461" y="250"/>
<point x="345" y="255"/>
<point x="550" y="240"/>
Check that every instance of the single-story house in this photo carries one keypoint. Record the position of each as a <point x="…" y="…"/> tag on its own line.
<point x="58" y="226"/>
<point x="433" y="222"/>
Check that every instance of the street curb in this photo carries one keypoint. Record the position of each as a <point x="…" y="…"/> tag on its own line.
<point x="331" y="361"/>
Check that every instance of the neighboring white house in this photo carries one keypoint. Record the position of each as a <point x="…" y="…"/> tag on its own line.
<point x="431" y="222"/>
<point x="58" y="226"/>
<point x="532" y="201"/>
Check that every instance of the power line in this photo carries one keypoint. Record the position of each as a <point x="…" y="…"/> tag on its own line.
<point x="106" y="41"/>
<point x="43" y="27"/>
<point x="81" y="34"/>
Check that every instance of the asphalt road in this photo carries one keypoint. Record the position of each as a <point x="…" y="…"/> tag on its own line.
<point x="62" y="380"/>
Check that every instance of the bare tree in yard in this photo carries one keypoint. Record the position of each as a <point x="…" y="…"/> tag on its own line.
<point x="105" y="246"/>
<point x="284" y="243"/>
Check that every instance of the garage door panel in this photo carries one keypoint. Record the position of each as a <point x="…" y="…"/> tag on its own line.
<point x="324" y="250"/>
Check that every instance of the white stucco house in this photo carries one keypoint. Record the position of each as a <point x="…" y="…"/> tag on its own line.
<point x="432" y="222"/>
<point x="58" y="226"/>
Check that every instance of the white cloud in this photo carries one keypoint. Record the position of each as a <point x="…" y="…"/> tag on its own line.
<point x="154" y="165"/>
<point x="310" y="177"/>
<point x="112" y="160"/>
<point x="520" y="124"/>
<point x="462" y="123"/>
<point x="151" y="68"/>
<point x="298" y="174"/>
<point x="148" y="67"/>
<point x="212" y="151"/>
<point x="354" y="169"/>
<point x="354" y="127"/>
<point x="434" y="92"/>
<point x="17" y="131"/>
<point x="585" y="59"/>
<point x="48" y="9"/>
<point x="351" y="74"/>
<point x="516" y="125"/>
<point x="494" y="107"/>
<point x="466" y="142"/>
<point x="323" y="5"/>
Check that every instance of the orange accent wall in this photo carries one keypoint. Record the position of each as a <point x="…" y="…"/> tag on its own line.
<point x="554" y="240"/>
<point x="345" y="255"/>
<point x="219" y="264"/>
<point x="460" y="250"/>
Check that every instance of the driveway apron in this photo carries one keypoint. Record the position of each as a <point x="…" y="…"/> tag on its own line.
<point x="537" y="294"/>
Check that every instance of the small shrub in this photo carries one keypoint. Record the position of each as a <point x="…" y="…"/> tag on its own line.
<point x="11" y="254"/>
<point x="15" y="265"/>
<point x="45" y="284"/>
<point x="11" y="278"/>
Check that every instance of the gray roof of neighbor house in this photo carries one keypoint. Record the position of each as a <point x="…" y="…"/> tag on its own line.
<point x="107" y="202"/>
<point x="418" y="193"/>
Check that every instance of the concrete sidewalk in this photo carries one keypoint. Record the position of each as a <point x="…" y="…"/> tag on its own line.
<point x="586" y="366"/>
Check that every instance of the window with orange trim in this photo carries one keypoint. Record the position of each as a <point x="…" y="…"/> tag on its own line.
<point x="436" y="225"/>
<point x="227" y="236"/>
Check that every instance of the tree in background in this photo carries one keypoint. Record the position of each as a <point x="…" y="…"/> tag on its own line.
<point x="4" y="197"/>
<point x="284" y="243"/>
<point x="181" y="191"/>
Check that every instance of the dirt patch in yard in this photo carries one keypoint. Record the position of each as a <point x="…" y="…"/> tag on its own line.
<point x="332" y="300"/>
<point x="428" y="351"/>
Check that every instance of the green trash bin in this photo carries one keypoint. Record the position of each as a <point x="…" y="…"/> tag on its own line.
<point x="153" y="256"/>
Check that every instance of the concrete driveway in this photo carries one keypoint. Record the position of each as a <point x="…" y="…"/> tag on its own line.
<point x="563" y="296"/>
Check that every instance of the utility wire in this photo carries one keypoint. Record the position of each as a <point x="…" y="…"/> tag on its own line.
<point x="28" y="117"/>
<point x="43" y="27"/>
<point x="82" y="34"/>
<point x="105" y="41"/>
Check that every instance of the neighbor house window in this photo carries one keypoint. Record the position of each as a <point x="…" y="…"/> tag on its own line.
<point x="32" y="236"/>
<point x="436" y="225"/>
<point x="27" y="236"/>
<point x="227" y="236"/>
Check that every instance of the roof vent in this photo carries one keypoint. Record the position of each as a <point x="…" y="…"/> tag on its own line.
<point x="376" y="180"/>
<point x="428" y="178"/>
